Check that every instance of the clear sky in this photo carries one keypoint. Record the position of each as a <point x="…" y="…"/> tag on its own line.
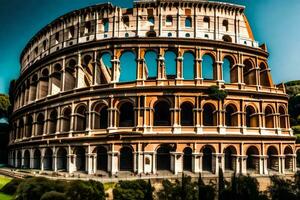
<point x="275" y="22"/>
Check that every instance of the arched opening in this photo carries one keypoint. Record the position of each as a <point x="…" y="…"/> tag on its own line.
<point x="100" y="116"/>
<point x="231" y="115"/>
<point x="33" y="88"/>
<point x="106" y="60"/>
<point x="251" y="117"/>
<point x="19" y="159"/>
<point x="126" y="159"/>
<point x="126" y="115"/>
<point x="87" y="63"/>
<point x="208" y="67"/>
<point x="62" y="159"/>
<point x="80" y="158"/>
<point x="227" y="38"/>
<point x="170" y="64"/>
<point x="273" y="160"/>
<point x="228" y="76"/>
<point x="187" y="159"/>
<point x="29" y="126"/>
<point x="186" y="114"/>
<point x="37" y="159"/>
<point x="48" y="157"/>
<point x="188" y="66"/>
<point x="207" y="159"/>
<point x="102" y="158"/>
<point x="56" y="77"/>
<point x="230" y="162"/>
<point x="53" y="122"/>
<point x="264" y="75"/>
<point x="26" y="159"/>
<point x="21" y="128"/>
<point x="128" y="66"/>
<point x="288" y="161"/>
<point x="40" y="124"/>
<point x="66" y="120"/>
<point x="188" y="22"/>
<point x="44" y="81"/>
<point x="269" y="117"/>
<point x="163" y="158"/>
<point x="249" y="73"/>
<point x="252" y="159"/>
<point x="151" y="64"/>
<point x="209" y="115"/>
<point x="70" y="75"/>
<point x="282" y="117"/>
<point x="151" y="34"/>
<point x="162" y="115"/>
<point x="80" y="118"/>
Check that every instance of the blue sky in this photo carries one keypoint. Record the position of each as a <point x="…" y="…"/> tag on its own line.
<point x="274" y="22"/>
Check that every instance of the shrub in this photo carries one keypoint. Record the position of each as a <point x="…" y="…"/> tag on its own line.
<point x="85" y="190"/>
<point x="53" y="195"/>
<point x="281" y="189"/>
<point x="34" y="188"/>
<point x="138" y="189"/>
<point x="214" y="92"/>
<point x="11" y="187"/>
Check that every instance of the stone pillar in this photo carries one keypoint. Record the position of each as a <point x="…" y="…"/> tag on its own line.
<point x="176" y="162"/>
<point x="161" y="71"/>
<point x="113" y="162"/>
<point x="115" y="70"/>
<point x="243" y="164"/>
<point x="179" y="70"/>
<point x="196" y="162"/>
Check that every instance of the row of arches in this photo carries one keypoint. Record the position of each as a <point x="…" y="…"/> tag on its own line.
<point x="68" y="75"/>
<point x="162" y="114"/>
<point x="163" y="159"/>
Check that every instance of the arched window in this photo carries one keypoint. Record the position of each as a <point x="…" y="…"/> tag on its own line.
<point x="80" y="118"/>
<point x="252" y="159"/>
<point x="126" y="159"/>
<point x="249" y="73"/>
<point x="162" y="116"/>
<point x="37" y="159"/>
<point x="101" y="117"/>
<point x="187" y="159"/>
<point x="265" y="79"/>
<point x="102" y="158"/>
<point x="207" y="67"/>
<point x="227" y="38"/>
<point x="230" y="163"/>
<point x="126" y="115"/>
<point x="207" y="159"/>
<point x="70" y="78"/>
<point x="288" y="161"/>
<point x="209" y="116"/>
<point x="26" y="159"/>
<point x="188" y="66"/>
<point x="40" y="124"/>
<point x="151" y="63"/>
<point x="21" y="128"/>
<point x="273" y="161"/>
<point x="163" y="158"/>
<point x="188" y="22"/>
<point x="44" y="81"/>
<point x="29" y="126"/>
<point x="170" y="63"/>
<point x="66" y="119"/>
<point x="282" y="117"/>
<point x="186" y="114"/>
<point x="53" y="122"/>
<point x="62" y="159"/>
<point x="225" y="25"/>
<point x="151" y="34"/>
<point x="33" y="87"/>
<point x="105" y="25"/>
<point x="251" y="117"/>
<point x="269" y="117"/>
<point x="56" y="79"/>
<point x="231" y="117"/>
<point x="48" y="157"/>
<point x="106" y="60"/>
<point x="226" y="66"/>
<point x="128" y="66"/>
<point x="80" y="159"/>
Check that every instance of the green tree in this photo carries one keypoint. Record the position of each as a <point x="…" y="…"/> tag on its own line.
<point x="216" y="93"/>
<point x="205" y="192"/>
<point x="281" y="189"/>
<point x="133" y="190"/>
<point x="4" y="105"/>
<point x="85" y="190"/>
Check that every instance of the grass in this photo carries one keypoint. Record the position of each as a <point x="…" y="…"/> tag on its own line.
<point x="4" y="180"/>
<point x="107" y="186"/>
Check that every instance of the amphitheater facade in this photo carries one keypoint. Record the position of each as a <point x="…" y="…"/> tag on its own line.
<point x="105" y="90"/>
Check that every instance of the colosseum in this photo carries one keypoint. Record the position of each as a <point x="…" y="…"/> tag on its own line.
<point x="108" y="91"/>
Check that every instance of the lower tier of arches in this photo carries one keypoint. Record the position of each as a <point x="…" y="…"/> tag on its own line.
<point x="153" y="157"/>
